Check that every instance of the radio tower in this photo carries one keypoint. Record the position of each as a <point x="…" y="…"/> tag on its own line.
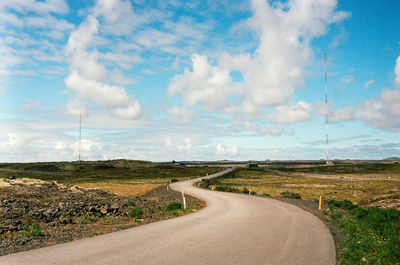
<point x="80" y="135"/>
<point x="327" y="112"/>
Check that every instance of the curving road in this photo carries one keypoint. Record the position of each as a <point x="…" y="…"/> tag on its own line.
<point x="232" y="229"/>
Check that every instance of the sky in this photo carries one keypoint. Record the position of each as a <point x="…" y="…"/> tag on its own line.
<point x="198" y="80"/>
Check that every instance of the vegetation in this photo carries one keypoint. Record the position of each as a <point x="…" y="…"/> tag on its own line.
<point x="371" y="235"/>
<point x="173" y="206"/>
<point x="112" y="171"/>
<point x="136" y="213"/>
<point x="32" y="230"/>
<point x="174" y="180"/>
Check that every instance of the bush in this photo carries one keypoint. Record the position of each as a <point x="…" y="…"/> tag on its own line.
<point x="206" y="183"/>
<point x="173" y="206"/>
<point x="174" y="180"/>
<point x="245" y="190"/>
<point x="290" y="195"/>
<point x="266" y="195"/>
<point x="136" y="213"/>
<point x="227" y="189"/>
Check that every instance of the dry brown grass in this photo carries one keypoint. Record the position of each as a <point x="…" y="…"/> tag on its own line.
<point x="122" y="189"/>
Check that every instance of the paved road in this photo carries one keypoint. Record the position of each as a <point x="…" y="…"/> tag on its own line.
<point x="232" y="229"/>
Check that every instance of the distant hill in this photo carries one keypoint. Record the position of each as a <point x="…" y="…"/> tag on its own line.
<point x="392" y="159"/>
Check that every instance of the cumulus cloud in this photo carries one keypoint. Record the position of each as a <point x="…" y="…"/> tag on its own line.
<point x="88" y="76"/>
<point x="231" y="150"/>
<point x="272" y="72"/>
<point x="206" y="84"/>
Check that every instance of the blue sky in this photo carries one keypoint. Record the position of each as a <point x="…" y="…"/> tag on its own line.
<point x="198" y="80"/>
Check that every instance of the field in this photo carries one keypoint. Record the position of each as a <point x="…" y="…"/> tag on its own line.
<point x="121" y="177"/>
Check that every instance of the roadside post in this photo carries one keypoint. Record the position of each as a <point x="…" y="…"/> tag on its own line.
<point x="184" y="200"/>
<point x="320" y="203"/>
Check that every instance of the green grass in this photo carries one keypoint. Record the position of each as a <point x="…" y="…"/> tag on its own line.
<point x="33" y="229"/>
<point x="371" y="236"/>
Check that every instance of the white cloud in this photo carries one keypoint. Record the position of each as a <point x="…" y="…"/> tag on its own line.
<point x="205" y="84"/>
<point x="368" y="83"/>
<point x="292" y="114"/>
<point x="272" y="72"/>
<point x="184" y="145"/>
<point x="382" y="112"/>
<point x="397" y="72"/>
<point x="88" y="76"/>
<point x="231" y="150"/>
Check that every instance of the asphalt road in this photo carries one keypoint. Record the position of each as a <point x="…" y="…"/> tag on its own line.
<point x="232" y="229"/>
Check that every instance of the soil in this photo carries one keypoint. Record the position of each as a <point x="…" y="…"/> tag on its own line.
<point x="36" y="214"/>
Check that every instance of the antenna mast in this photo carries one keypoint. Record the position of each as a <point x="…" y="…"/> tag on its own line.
<point x="327" y="112"/>
<point x="80" y="135"/>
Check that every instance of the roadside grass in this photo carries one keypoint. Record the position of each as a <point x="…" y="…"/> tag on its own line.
<point x="371" y="235"/>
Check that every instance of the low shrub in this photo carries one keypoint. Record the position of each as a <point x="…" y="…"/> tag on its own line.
<point x="290" y="195"/>
<point x="266" y="195"/>
<point x="345" y="204"/>
<point x="136" y="213"/>
<point x="245" y="190"/>
<point x="174" y="180"/>
<point x="173" y="206"/>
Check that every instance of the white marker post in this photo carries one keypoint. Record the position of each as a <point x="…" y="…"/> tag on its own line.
<point x="184" y="200"/>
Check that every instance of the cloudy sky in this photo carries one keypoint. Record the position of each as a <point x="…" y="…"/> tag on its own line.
<point x="198" y="80"/>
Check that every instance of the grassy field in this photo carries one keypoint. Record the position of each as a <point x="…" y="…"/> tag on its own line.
<point x="122" y="177"/>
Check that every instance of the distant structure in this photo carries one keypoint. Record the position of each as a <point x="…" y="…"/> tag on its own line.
<point x="80" y="135"/>
<point x="251" y="165"/>
<point x="326" y="113"/>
